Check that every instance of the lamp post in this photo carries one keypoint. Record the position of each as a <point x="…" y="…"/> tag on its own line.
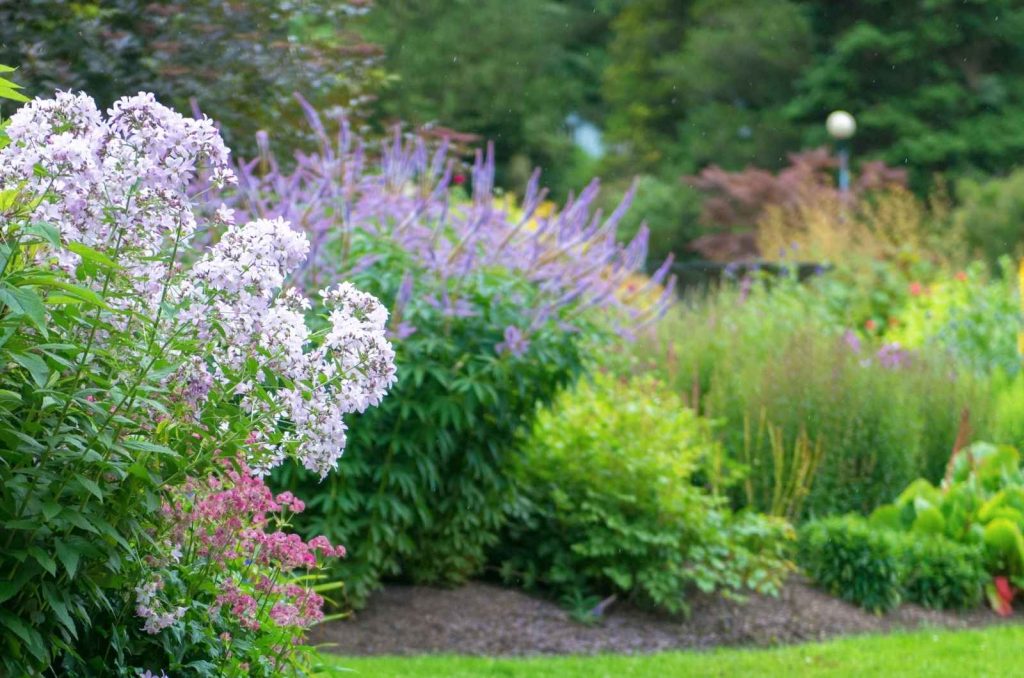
<point x="841" y="126"/>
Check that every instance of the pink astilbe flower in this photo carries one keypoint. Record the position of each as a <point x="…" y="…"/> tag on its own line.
<point x="224" y="521"/>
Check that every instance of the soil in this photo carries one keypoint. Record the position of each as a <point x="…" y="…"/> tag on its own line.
<point x="484" y="619"/>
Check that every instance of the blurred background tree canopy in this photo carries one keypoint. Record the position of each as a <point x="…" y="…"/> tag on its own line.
<point x="654" y="90"/>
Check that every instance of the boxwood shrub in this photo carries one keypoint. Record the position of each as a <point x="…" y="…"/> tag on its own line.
<point x="877" y="568"/>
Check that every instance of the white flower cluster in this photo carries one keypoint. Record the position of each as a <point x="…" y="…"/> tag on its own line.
<point x="120" y="186"/>
<point x="116" y="185"/>
<point x="236" y="296"/>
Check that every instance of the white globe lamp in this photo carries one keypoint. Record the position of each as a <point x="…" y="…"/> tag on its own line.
<point x="840" y="125"/>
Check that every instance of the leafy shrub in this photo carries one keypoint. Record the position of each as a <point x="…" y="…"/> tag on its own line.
<point x="941" y="574"/>
<point x="131" y="360"/>
<point x="853" y="561"/>
<point x="876" y="567"/>
<point x="670" y="210"/>
<point x="265" y="48"/>
<point x="742" y="199"/>
<point x="607" y="505"/>
<point x="970" y="317"/>
<point x="493" y="309"/>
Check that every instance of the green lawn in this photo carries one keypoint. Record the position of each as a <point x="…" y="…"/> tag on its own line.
<point x="928" y="654"/>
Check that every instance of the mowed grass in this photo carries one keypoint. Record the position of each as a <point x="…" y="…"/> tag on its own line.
<point x="928" y="654"/>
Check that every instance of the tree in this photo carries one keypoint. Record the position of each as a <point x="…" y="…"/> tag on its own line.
<point x="936" y="85"/>
<point x="240" y="61"/>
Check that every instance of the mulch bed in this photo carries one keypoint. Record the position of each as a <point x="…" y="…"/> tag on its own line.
<point x="484" y="619"/>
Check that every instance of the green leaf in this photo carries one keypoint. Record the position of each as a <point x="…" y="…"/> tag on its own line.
<point x="89" y="485"/>
<point x="46" y="231"/>
<point x="89" y="254"/>
<point x="9" y="588"/>
<point x="145" y="446"/>
<point x="60" y="608"/>
<point x="35" y="366"/>
<point x="43" y="558"/>
<point x="30" y="636"/>
<point x="24" y="301"/>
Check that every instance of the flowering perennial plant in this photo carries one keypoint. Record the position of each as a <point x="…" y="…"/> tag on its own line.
<point x="132" y="358"/>
<point x="493" y="309"/>
<point x="571" y="256"/>
<point x="233" y="574"/>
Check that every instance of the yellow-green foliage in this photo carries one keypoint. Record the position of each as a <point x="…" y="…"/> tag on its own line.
<point x="637" y="436"/>
<point x="615" y="499"/>
<point x="1004" y="545"/>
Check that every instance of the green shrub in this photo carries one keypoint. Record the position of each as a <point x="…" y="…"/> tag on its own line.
<point x="941" y="574"/>
<point x="607" y="504"/>
<point x="426" y="481"/>
<point x="853" y="561"/>
<point x="876" y="567"/>
<point x="124" y="349"/>
<point x="971" y="317"/>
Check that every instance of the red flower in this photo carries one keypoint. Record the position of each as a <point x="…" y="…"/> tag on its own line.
<point x="870" y="325"/>
<point x="459" y="179"/>
<point x="916" y="289"/>
<point x="961" y="276"/>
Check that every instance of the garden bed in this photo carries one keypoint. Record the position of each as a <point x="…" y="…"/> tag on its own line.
<point x="483" y="619"/>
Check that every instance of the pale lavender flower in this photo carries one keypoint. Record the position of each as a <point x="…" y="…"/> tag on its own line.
<point x="515" y="343"/>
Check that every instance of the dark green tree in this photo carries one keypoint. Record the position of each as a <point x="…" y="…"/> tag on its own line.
<point x="239" y="61"/>
<point x="936" y="85"/>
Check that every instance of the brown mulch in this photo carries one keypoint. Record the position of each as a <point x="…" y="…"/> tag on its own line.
<point x="484" y="619"/>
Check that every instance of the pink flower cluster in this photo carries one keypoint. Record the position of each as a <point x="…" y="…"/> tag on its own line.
<point x="223" y="521"/>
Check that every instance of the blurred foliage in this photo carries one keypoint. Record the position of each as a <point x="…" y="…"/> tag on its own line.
<point x="933" y="85"/>
<point x="511" y="73"/>
<point x="971" y="317"/>
<point x="991" y="216"/>
<point x="670" y="209"/>
<point x="240" y="61"/>
<point x="675" y="87"/>
<point x="776" y="349"/>
<point x="687" y="81"/>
